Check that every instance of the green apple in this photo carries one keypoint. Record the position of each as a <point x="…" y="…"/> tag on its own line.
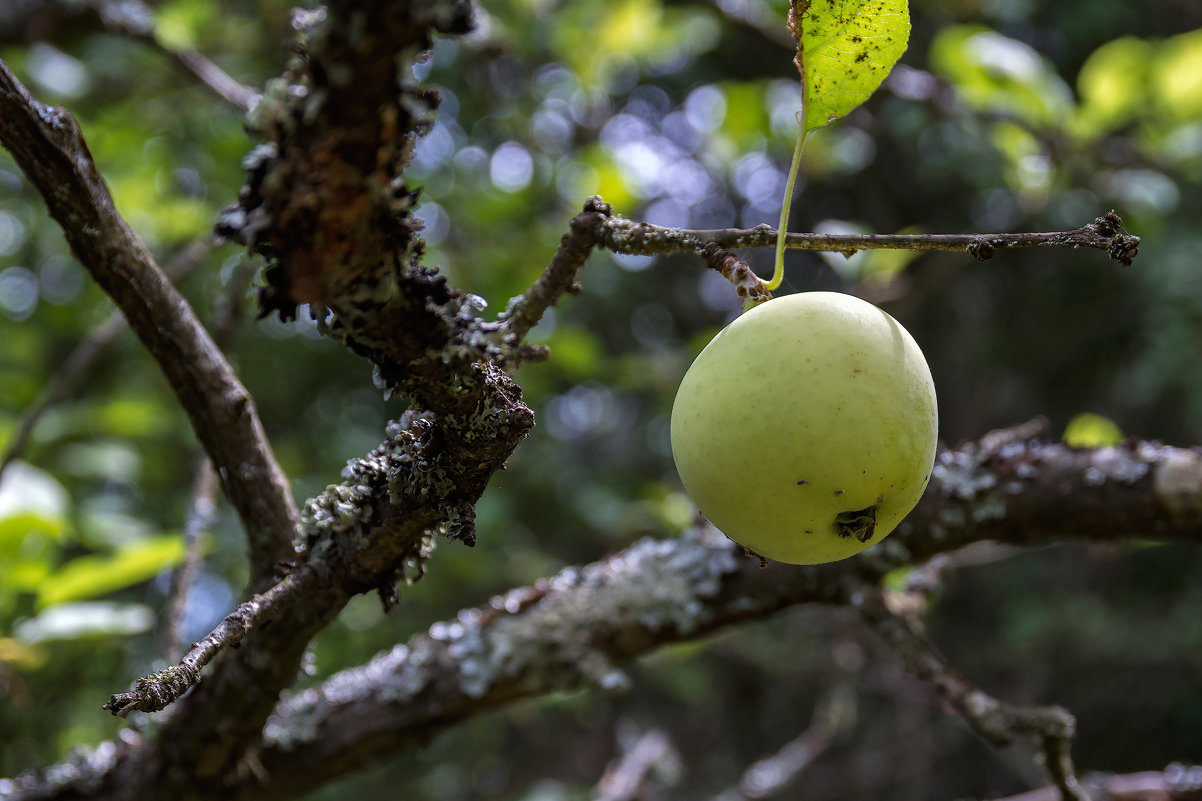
<point x="806" y="429"/>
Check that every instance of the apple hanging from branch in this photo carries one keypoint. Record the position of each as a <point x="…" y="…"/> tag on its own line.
<point x="806" y="429"/>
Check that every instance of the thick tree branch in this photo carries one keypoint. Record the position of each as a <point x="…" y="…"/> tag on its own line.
<point x="49" y="148"/>
<point x="325" y="199"/>
<point x="575" y="629"/>
<point x="360" y="535"/>
<point x="568" y="631"/>
<point x="529" y="642"/>
<point x="1029" y="491"/>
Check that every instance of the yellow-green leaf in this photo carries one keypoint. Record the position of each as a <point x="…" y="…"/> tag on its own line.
<point x="91" y="576"/>
<point x="21" y="655"/>
<point x="845" y="48"/>
<point x="1092" y="431"/>
<point x="87" y="619"/>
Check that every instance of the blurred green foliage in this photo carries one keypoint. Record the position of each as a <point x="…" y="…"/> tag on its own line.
<point x="1002" y="115"/>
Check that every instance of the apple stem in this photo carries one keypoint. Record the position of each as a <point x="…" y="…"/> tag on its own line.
<point x="778" y="270"/>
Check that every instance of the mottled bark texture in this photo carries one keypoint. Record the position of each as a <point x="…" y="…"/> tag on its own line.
<point x="576" y="629"/>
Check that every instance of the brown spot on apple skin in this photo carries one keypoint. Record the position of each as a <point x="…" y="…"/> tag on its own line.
<point x="860" y="524"/>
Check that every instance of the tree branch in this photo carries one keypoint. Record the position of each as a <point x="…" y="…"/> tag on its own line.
<point x="569" y="631"/>
<point x="1104" y="233"/>
<point x="135" y="19"/>
<point x="774" y="773"/>
<point x="575" y="629"/>
<point x="157" y="691"/>
<point x="1029" y="491"/>
<point x="202" y="507"/>
<point x="131" y="18"/>
<point x="641" y="754"/>
<point x="324" y="196"/>
<point x="1176" y="783"/>
<point x="529" y="642"/>
<point x="202" y="513"/>
<point x="48" y="146"/>
<point x="997" y="721"/>
<point x="525" y="311"/>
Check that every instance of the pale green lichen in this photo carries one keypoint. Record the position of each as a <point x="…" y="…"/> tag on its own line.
<point x="663" y="584"/>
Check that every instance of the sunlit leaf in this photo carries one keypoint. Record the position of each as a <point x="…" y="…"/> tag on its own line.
<point x="576" y="350"/>
<point x="1113" y="83"/>
<point x="21" y="655"/>
<point x="32" y="503"/>
<point x="879" y="267"/>
<point x="594" y="38"/>
<point x="90" y="576"/>
<point x="1178" y="75"/>
<point x="996" y="73"/>
<point x="89" y="619"/>
<point x="845" y="48"/>
<point x="1092" y="431"/>
<point x="178" y="23"/>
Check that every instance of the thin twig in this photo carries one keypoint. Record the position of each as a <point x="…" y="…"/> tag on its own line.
<point x="202" y="509"/>
<point x="527" y="309"/>
<point x="999" y="722"/>
<point x="158" y="690"/>
<point x="135" y="19"/>
<point x="774" y="773"/>
<point x="748" y="285"/>
<point x="648" y="753"/>
<point x="1176" y="783"/>
<point x="67" y="377"/>
<point x="202" y="512"/>
<point x="49" y="147"/>
<point x="627" y="236"/>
